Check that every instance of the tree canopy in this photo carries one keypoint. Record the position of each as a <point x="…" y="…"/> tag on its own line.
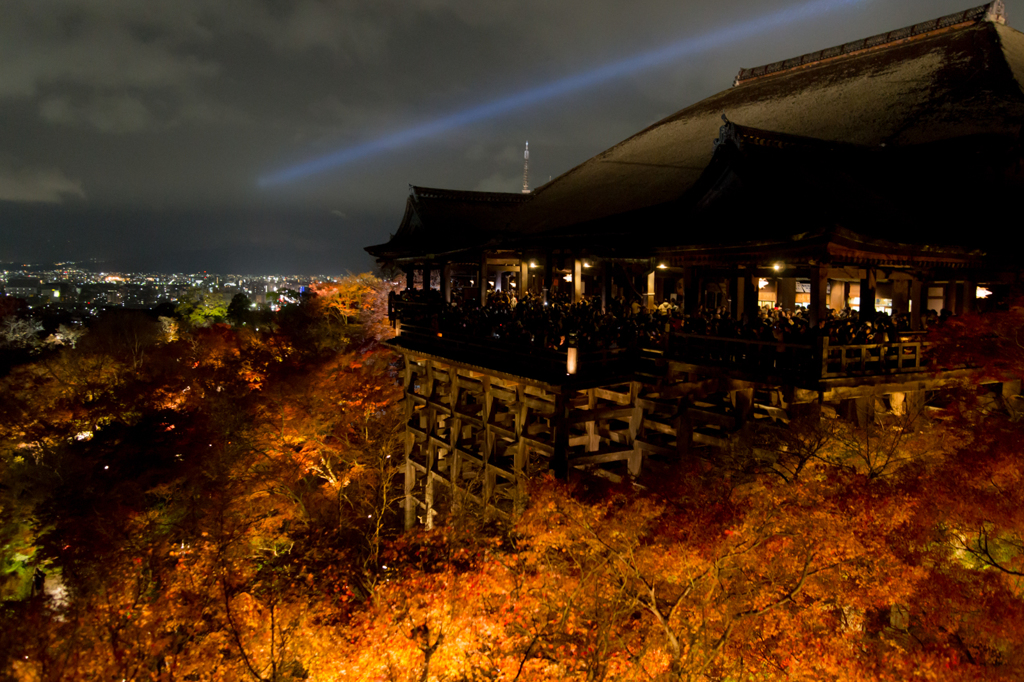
<point x="221" y="503"/>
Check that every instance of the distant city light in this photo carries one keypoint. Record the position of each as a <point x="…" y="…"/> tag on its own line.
<point x="688" y="47"/>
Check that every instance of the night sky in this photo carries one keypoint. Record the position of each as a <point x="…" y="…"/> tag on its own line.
<point x="138" y="133"/>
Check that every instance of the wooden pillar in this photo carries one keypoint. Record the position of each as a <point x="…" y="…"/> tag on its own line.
<point x="859" y="410"/>
<point x="684" y="430"/>
<point x="897" y="403"/>
<point x="837" y="298"/>
<point x="807" y="413"/>
<point x="454" y="436"/>
<point x="785" y="296"/>
<point x="741" y="292"/>
<point x="918" y="302"/>
<point x="521" y="463"/>
<point x="482" y="279"/>
<point x="691" y="297"/>
<point x="743" y="405"/>
<point x="446" y="282"/>
<point x="560" y="429"/>
<point x="750" y="293"/>
<point x="649" y="290"/>
<point x="737" y="298"/>
<point x="968" y="298"/>
<point x="1011" y="388"/>
<point x="594" y="438"/>
<point x="410" y="483"/>
<point x="914" y="402"/>
<point x="868" y="286"/>
<point x="636" y="422"/>
<point x="548" y="268"/>
<point x="428" y="422"/>
<point x="606" y="285"/>
<point x="524" y="278"/>
<point x="949" y="296"/>
<point x="577" y="280"/>
<point x="819" y="292"/>
<point x="900" y="296"/>
<point x="486" y="456"/>
<point x="409" y="387"/>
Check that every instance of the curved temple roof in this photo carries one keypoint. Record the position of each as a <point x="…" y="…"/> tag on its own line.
<point x="946" y="89"/>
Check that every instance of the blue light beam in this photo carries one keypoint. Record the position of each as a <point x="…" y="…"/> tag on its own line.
<point x="662" y="55"/>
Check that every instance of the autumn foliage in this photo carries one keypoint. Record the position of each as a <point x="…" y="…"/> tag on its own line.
<point x="224" y="506"/>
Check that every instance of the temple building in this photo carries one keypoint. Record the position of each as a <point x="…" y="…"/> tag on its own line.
<point x="876" y="180"/>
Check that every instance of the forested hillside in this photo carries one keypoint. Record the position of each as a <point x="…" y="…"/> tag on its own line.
<point x="192" y="499"/>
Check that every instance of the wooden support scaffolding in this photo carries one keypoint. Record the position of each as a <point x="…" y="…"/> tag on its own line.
<point x="475" y="436"/>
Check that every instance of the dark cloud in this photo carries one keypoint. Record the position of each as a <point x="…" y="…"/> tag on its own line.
<point x="161" y="115"/>
<point x="37" y="186"/>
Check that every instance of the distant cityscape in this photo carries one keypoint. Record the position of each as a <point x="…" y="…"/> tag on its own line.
<point x="73" y="287"/>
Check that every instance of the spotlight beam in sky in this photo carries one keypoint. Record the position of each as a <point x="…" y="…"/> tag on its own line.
<point x="563" y="86"/>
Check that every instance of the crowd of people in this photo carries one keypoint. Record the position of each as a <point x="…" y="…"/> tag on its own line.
<point x="531" y="322"/>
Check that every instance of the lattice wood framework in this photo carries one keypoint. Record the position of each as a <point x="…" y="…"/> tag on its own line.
<point x="474" y="436"/>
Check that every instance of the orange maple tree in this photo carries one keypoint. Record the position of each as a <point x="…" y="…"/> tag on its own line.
<point x="231" y="516"/>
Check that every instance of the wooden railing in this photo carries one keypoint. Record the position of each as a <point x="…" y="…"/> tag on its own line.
<point x="742" y="354"/>
<point x="809" y="361"/>
<point x="514" y="358"/>
<point x="813" y="361"/>
<point x="873" y="358"/>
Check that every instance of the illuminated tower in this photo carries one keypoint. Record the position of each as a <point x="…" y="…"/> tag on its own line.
<point x="526" y="169"/>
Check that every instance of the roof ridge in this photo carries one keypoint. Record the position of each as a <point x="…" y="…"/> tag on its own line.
<point x="994" y="12"/>
<point x="466" y="195"/>
<point x="738" y="133"/>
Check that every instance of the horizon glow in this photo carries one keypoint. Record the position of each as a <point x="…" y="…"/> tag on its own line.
<point x="563" y="86"/>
